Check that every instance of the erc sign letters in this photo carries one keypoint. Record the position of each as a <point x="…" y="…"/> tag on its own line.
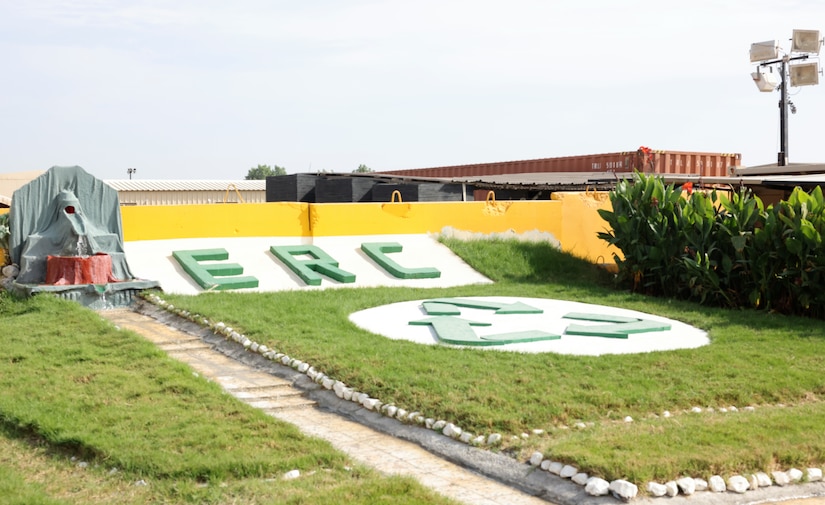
<point x="309" y="262"/>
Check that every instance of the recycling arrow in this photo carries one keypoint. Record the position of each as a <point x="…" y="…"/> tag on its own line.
<point x="442" y="306"/>
<point x="457" y="331"/>
<point x="453" y="330"/>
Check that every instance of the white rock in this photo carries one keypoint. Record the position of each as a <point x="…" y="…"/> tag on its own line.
<point x="580" y="478"/>
<point x="536" y="458"/>
<point x="749" y="408"/>
<point x="738" y="484"/>
<point x="671" y="488"/>
<point x="686" y="485"/>
<point x="439" y="425"/>
<point x="254" y="347"/>
<point x="401" y="414"/>
<point x="370" y="403"/>
<point x="723" y="410"/>
<point x="781" y="478"/>
<point x="733" y="409"/>
<point x="580" y="426"/>
<point x="339" y="388"/>
<point x="292" y="474"/>
<point x="568" y="471"/>
<point x="545" y="465"/>
<point x="666" y="413"/>
<point x="717" y="484"/>
<point x="494" y="439"/>
<point x="628" y="419"/>
<point x="429" y="422"/>
<point x="347" y="394"/>
<point x="466" y="437"/>
<point x="391" y="411"/>
<point x="623" y="489"/>
<point x="361" y="397"/>
<point x="763" y="479"/>
<point x="328" y="383"/>
<point x="478" y="440"/>
<point x="451" y="430"/>
<point x="814" y="474"/>
<point x="555" y="467"/>
<point x="246" y="343"/>
<point x="700" y="484"/>
<point x="754" y="482"/>
<point x="303" y="367"/>
<point x="597" y="487"/>
<point x="696" y="410"/>
<point x="656" y="489"/>
<point x="263" y="349"/>
<point x="285" y="359"/>
<point x="795" y="474"/>
<point x="538" y="432"/>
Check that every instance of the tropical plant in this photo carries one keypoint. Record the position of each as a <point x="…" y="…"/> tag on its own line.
<point x="5" y="233"/>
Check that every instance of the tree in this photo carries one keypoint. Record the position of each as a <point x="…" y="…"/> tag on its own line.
<point x="264" y="171"/>
<point x="362" y="169"/>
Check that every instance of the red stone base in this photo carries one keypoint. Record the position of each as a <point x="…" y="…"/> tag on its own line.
<point x="67" y="270"/>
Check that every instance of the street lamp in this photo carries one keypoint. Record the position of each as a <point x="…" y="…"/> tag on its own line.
<point x="130" y="171"/>
<point x="804" y="44"/>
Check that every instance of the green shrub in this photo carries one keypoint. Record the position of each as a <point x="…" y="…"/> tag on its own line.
<point x="719" y="250"/>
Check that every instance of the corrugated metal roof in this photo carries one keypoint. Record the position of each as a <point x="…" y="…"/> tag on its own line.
<point x="773" y="169"/>
<point x="185" y="185"/>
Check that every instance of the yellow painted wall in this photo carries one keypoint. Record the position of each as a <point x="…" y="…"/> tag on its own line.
<point x="581" y="222"/>
<point x="335" y="219"/>
<point x="571" y="217"/>
<point x="432" y="217"/>
<point x="160" y="222"/>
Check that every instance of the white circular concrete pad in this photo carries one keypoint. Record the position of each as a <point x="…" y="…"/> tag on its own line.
<point x="482" y="321"/>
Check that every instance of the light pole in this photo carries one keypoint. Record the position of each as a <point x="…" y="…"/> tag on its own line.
<point x="766" y="54"/>
<point x="130" y="171"/>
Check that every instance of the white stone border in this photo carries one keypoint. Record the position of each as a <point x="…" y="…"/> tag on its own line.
<point x="594" y="486"/>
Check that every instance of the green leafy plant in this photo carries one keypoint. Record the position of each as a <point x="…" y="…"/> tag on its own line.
<point x="5" y="233"/>
<point x="719" y="250"/>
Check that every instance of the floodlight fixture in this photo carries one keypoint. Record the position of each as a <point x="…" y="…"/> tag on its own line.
<point x="761" y="51"/>
<point x="804" y="45"/>
<point x="765" y="82"/>
<point x="805" y="41"/>
<point x="804" y="74"/>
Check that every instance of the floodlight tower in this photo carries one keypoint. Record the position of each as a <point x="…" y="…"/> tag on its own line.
<point x="804" y="44"/>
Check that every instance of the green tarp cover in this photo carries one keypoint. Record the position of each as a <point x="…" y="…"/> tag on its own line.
<point x="65" y="212"/>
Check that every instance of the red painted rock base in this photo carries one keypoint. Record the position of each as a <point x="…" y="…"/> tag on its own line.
<point x="67" y="270"/>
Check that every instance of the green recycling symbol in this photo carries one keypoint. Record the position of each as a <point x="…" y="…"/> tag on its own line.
<point x="451" y="329"/>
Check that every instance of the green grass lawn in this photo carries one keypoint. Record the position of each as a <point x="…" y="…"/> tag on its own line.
<point x="87" y="411"/>
<point x="769" y="362"/>
<point x="75" y="387"/>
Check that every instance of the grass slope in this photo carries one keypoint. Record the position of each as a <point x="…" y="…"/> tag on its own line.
<point x="76" y="389"/>
<point x="770" y="362"/>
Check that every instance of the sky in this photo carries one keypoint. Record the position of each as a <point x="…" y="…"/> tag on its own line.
<point x="207" y="89"/>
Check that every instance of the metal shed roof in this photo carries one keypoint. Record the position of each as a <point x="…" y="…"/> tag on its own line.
<point x="186" y="185"/>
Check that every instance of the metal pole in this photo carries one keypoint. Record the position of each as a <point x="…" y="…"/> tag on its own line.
<point x="783" y="117"/>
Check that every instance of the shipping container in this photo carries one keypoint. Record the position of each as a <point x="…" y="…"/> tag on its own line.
<point x="648" y="161"/>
